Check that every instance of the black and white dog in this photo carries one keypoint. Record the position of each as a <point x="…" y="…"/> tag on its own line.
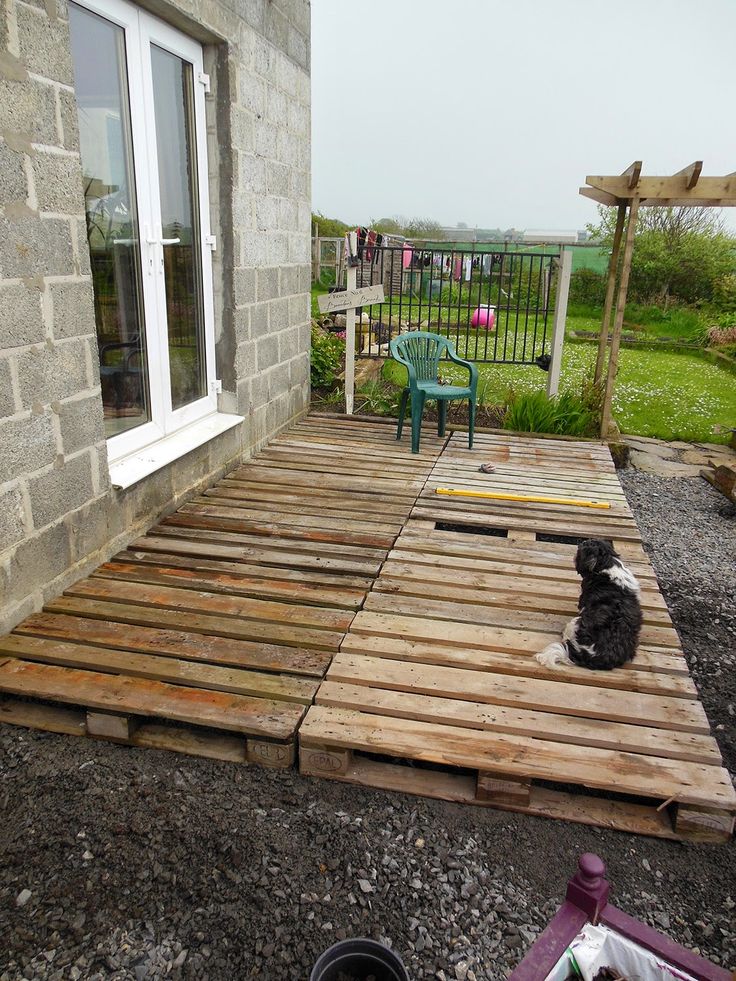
<point x="606" y="633"/>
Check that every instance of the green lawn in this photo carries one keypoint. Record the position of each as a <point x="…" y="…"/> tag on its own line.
<point x="666" y="394"/>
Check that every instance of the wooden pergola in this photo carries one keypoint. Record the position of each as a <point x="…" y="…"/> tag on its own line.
<point x="629" y="192"/>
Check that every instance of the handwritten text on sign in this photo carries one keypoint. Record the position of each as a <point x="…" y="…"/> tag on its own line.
<point x="350" y="298"/>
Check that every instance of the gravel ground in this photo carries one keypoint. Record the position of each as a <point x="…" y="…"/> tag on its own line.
<point x="126" y="864"/>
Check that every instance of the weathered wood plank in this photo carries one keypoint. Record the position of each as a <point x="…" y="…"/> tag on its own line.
<point x="176" y="643"/>
<point x="136" y="696"/>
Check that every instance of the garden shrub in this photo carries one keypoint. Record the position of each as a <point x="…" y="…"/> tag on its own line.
<point x="587" y="288"/>
<point x="566" y="414"/>
<point x="326" y="357"/>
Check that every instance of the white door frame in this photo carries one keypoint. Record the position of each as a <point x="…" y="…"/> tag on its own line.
<point x="141" y="31"/>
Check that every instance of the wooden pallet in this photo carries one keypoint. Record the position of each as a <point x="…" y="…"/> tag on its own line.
<point x="210" y="634"/>
<point x="436" y="691"/>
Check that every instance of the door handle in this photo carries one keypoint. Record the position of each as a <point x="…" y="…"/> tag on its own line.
<point x="163" y="241"/>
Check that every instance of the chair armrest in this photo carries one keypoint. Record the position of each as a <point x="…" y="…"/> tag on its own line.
<point x="472" y="370"/>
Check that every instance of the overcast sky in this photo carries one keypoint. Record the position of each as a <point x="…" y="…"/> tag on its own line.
<point x="492" y="112"/>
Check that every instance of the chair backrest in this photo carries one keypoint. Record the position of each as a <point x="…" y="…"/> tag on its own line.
<point x="422" y="350"/>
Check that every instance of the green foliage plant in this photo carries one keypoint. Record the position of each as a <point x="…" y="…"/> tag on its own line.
<point x="326" y="357"/>
<point x="565" y="414"/>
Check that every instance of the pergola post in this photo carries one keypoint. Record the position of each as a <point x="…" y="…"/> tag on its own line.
<point x="610" y="288"/>
<point x="623" y="289"/>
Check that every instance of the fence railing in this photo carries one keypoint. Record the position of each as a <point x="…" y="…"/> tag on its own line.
<point x="495" y="306"/>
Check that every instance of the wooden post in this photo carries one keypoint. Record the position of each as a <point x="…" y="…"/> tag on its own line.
<point x="610" y="288"/>
<point x="558" y="331"/>
<point x="352" y="277"/>
<point x="623" y="288"/>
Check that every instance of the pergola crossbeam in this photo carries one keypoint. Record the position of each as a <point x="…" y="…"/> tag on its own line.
<point x="633" y="173"/>
<point x="661" y="189"/>
<point x="691" y="173"/>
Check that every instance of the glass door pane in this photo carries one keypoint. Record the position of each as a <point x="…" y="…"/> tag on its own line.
<point x="180" y="234"/>
<point x="101" y="88"/>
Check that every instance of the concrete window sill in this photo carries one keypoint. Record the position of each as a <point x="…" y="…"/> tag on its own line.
<point x="130" y="469"/>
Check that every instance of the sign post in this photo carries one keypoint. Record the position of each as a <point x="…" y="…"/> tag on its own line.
<point x="348" y="301"/>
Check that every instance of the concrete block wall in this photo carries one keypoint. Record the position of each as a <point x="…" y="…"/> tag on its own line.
<point x="59" y="515"/>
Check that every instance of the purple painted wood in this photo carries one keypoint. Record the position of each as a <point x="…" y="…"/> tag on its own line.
<point x="662" y="946"/>
<point x="551" y="944"/>
<point x="588" y="889"/>
<point x="587" y="901"/>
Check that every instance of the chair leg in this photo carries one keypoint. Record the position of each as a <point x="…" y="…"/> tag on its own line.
<point x="441" y="416"/>
<point x="471" y="422"/>
<point x="402" y="412"/>
<point x="417" y="410"/>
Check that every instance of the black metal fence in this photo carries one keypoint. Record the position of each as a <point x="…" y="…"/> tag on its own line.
<point x="495" y="306"/>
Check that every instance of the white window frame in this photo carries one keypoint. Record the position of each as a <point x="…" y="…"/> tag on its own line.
<point x="134" y="453"/>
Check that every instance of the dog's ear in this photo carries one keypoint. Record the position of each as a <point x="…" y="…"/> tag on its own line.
<point x="594" y="555"/>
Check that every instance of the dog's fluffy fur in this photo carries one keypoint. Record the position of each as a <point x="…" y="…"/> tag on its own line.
<point x="606" y="632"/>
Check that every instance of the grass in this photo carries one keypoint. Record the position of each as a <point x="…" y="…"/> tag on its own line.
<point x="665" y="394"/>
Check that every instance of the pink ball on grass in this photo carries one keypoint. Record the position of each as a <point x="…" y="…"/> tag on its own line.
<point x="484" y="317"/>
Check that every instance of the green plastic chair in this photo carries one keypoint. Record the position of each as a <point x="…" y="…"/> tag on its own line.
<point x="420" y="353"/>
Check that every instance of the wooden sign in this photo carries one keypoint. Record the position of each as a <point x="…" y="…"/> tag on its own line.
<point x="350" y="299"/>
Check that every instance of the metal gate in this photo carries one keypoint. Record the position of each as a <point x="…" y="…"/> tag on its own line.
<point x="496" y="306"/>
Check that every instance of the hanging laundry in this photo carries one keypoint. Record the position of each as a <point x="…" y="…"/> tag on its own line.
<point x="370" y="241"/>
<point x="457" y="271"/>
<point x="407" y="256"/>
<point x="467" y="268"/>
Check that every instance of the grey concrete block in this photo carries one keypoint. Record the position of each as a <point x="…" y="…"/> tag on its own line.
<point x="251" y="93"/>
<point x="11" y="518"/>
<point x="279" y="314"/>
<point x="254" y="245"/>
<point x="81" y="423"/>
<point x="69" y="120"/>
<point x="288" y="215"/>
<point x="289" y="280"/>
<point x="245" y="360"/>
<point x="58" y="183"/>
<point x="299" y="308"/>
<point x="39" y="559"/>
<point x="241" y="325"/>
<point x="44" y="45"/>
<point x="267" y="214"/>
<point x="54" y="493"/>
<point x="288" y="344"/>
<point x="259" y="392"/>
<point x="299" y="371"/>
<point x="278" y="179"/>
<point x="13" y="183"/>
<point x="73" y="309"/>
<point x="278" y="380"/>
<point x="242" y="129"/>
<point x="267" y="351"/>
<point x="28" y="108"/>
<point x="245" y="286"/>
<point x="260" y="324"/>
<point x="277" y="248"/>
<point x="267" y="283"/>
<point x="31" y="246"/>
<point x="94" y="524"/>
<point x="7" y="397"/>
<point x="252" y="175"/>
<point x="53" y="371"/>
<point x="21" y="318"/>
<point x="26" y="444"/>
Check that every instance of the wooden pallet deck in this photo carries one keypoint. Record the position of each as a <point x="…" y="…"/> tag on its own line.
<point x="210" y="634"/>
<point x="436" y="691"/>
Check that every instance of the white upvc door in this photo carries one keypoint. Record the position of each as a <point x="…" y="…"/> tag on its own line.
<point x="143" y="148"/>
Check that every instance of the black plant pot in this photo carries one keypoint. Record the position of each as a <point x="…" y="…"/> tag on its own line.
<point x="357" y="960"/>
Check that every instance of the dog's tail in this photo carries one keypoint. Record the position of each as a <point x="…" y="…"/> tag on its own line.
<point x="554" y="654"/>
